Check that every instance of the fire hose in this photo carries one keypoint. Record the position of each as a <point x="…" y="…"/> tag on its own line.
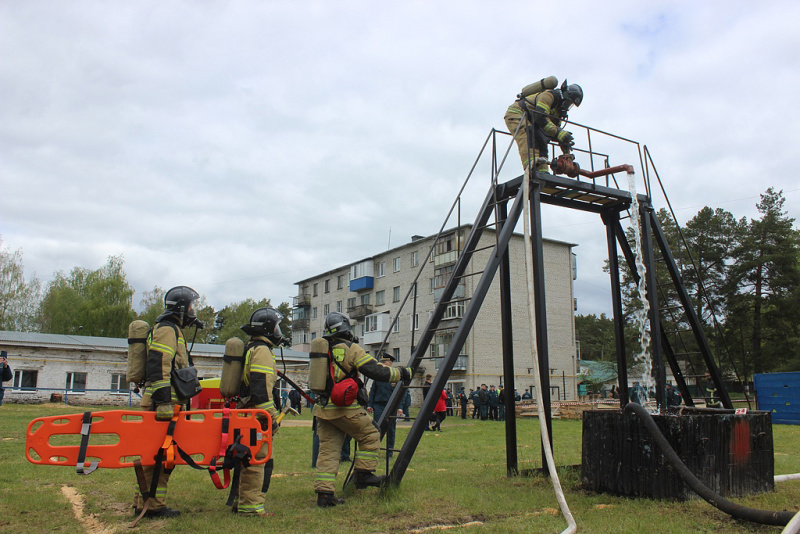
<point x="738" y="511"/>
<point x="548" y="451"/>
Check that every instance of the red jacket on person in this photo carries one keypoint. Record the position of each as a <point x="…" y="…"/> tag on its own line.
<point x="441" y="404"/>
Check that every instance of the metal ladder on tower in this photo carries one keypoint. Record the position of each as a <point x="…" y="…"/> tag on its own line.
<point x="496" y="202"/>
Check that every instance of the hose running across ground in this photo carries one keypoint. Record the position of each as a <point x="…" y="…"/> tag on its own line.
<point x="548" y="451"/>
<point x="738" y="511"/>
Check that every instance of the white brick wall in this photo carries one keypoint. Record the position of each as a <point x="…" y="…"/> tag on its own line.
<point x="484" y="343"/>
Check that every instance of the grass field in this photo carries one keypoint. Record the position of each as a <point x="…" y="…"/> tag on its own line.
<point x="457" y="477"/>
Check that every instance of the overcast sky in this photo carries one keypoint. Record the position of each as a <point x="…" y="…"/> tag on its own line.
<point x="241" y="146"/>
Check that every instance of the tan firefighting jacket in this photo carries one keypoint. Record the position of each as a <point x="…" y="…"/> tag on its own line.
<point x="352" y="357"/>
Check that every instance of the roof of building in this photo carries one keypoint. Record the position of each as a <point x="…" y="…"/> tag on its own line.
<point x="36" y="339"/>
<point x="599" y="371"/>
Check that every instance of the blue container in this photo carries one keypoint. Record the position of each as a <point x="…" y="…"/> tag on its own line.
<point x="779" y="393"/>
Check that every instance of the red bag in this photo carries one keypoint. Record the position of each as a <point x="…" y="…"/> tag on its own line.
<point x="344" y="392"/>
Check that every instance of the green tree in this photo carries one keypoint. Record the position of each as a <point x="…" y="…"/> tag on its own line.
<point x="596" y="336"/>
<point x="92" y="303"/>
<point x="230" y="319"/>
<point x="152" y="305"/>
<point x="711" y="237"/>
<point x="763" y="286"/>
<point x="18" y="298"/>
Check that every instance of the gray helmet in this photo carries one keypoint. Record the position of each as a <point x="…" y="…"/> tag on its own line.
<point x="178" y="304"/>
<point x="337" y="325"/>
<point x="265" y="322"/>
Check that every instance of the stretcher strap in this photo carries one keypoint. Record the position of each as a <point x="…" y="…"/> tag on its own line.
<point x="86" y="429"/>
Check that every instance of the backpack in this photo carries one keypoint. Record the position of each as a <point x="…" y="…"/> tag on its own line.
<point x="346" y="391"/>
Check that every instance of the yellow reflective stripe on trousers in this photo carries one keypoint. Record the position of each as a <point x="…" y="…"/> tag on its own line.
<point x="325" y="477"/>
<point x="367" y="455"/>
<point x="250" y="508"/>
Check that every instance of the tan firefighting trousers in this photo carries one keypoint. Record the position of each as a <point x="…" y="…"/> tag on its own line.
<point x="251" y="479"/>
<point x="159" y="500"/>
<point x="358" y="424"/>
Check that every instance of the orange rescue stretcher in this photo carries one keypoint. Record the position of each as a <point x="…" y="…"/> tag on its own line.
<point x="203" y="435"/>
<point x="220" y="439"/>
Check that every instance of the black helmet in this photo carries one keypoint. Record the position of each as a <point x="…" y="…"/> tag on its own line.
<point x="178" y="304"/>
<point x="265" y="322"/>
<point x="337" y="325"/>
<point x="570" y="94"/>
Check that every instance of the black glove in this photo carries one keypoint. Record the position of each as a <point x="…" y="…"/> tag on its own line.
<point x="405" y="375"/>
<point x="565" y="139"/>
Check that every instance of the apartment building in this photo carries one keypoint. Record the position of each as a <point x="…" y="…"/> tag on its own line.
<point x="372" y="290"/>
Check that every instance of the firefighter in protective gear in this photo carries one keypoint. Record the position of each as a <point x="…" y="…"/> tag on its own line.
<point x="334" y="423"/>
<point x="536" y="119"/>
<point x="258" y="379"/>
<point x="166" y="349"/>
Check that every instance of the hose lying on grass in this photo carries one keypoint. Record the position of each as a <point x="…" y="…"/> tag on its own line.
<point x="738" y="511"/>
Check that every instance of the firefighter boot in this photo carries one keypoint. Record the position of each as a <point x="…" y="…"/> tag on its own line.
<point x="365" y="479"/>
<point x="327" y="500"/>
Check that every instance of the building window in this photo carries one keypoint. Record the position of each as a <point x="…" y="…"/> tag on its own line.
<point x="415" y="322"/>
<point x="76" y="382"/>
<point x="339" y="306"/>
<point x="415" y="258"/>
<point x="326" y="309"/>
<point x="371" y="323"/>
<point x="396" y="354"/>
<point x="328" y="286"/>
<point x="442" y="276"/>
<point x="396" y="326"/>
<point x="315" y="290"/>
<point x="396" y="262"/>
<point x="313" y="336"/>
<point x="454" y="310"/>
<point x="365" y="299"/>
<point x="340" y="281"/>
<point x="25" y="379"/>
<point x="445" y="244"/>
<point x="396" y="294"/>
<point x="314" y="312"/>
<point x="380" y="298"/>
<point x="380" y="269"/>
<point x="118" y="383"/>
<point x="351" y="303"/>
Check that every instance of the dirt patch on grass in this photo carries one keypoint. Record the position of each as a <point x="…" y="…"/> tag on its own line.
<point x="89" y="521"/>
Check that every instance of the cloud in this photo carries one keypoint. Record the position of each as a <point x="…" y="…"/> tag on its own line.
<point x="239" y="147"/>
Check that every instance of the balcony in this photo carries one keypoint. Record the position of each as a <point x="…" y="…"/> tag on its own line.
<point x="300" y="324"/>
<point x="362" y="284"/>
<point x="460" y="365"/>
<point x="301" y="300"/>
<point x="376" y="327"/>
<point x="359" y="311"/>
<point x="446" y="258"/>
